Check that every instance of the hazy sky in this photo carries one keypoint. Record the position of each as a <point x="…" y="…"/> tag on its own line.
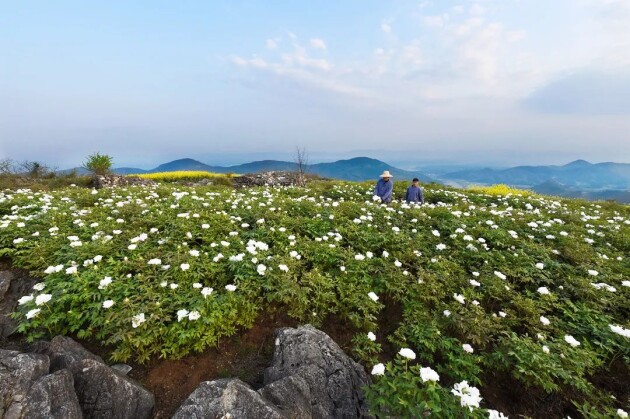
<point x="503" y="81"/>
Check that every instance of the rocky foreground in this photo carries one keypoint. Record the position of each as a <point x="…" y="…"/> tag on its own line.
<point x="309" y="377"/>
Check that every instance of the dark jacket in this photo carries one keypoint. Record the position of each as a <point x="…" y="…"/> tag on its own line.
<point x="414" y="194"/>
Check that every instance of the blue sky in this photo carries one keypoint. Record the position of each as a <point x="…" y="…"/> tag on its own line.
<point x="489" y="81"/>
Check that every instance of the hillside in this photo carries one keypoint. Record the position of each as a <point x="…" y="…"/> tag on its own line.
<point x="478" y="290"/>
<point x="356" y="169"/>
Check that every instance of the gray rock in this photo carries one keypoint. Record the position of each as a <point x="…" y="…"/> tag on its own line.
<point x="124" y="369"/>
<point x="272" y="178"/>
<point x="292" y="396"/>
<point x="18" y="284"/>
<point x="334" y="380"/>
<point x="105" y="393"/>
<point x="64" y="352"/>
<point x="52" y="397"/>
<point x="5" y="282"/>
<point x="112" y="180"/>
<point x="226" y="398"/>
<point x="18" y="372"/>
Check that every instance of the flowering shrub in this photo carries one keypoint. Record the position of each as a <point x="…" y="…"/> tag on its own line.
<point x="522" y="286"/>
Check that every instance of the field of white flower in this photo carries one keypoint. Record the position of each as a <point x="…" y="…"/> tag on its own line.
<point x="528" y="291"/>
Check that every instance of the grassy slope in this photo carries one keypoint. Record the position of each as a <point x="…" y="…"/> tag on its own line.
<point x="500" y="318"/>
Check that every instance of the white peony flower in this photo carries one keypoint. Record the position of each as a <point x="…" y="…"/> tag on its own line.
<point x="500" y="275"/>
<point x="495" y="414"/>
<point x="108" y="303"/>
<point x="469" y="396"/>
<point x="428" y="374"/>
<point x="468" y="348"/>
<point x="25" y="299"/>
<point x="42" y="299"/>
<point x="407" y="353"/>
<point x="137" y="320"/>
<point x="378" y="369"/>
<point x="182" y="314"/>
<point x="571" y="340"/>
<point x="32" y="313"/>
<point x="104" y="282"/>
<point x="373" y="296"/>
<point x="371" y="336"/>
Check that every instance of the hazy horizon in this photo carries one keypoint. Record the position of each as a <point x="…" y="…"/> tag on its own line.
<point x="399" y="162"/>
<point x="488" y="82"/>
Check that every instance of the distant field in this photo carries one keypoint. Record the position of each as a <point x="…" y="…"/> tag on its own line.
<point x="500" y="189"/>
<point x="182" y="176"/>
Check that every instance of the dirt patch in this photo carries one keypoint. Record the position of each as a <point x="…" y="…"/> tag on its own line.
<point x="244" y="356"/>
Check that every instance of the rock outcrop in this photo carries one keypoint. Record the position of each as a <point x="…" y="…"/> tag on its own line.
<point x="64" y="352"/>
<point x="52" y="396"/>
<point x="333" y="378"/>
<point x="310" y="377"/>
<point x="111" y="180"/>
<point x="278" y="178"/>
<point x="18" y="373"/>
<point x="106" y="393"/>
<point x="13" y="285"/>
<point x="64" y="380"/>
<point x="226" y="398"/>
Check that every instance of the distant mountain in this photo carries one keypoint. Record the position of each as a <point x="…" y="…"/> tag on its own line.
<point x="181" y="164"/>
<point x="578" y="174"/>
<point x="363" y="168"/>
<point x="356" y="169"/>
<point x="128" y="171"/>
<point x="555" y="188"/>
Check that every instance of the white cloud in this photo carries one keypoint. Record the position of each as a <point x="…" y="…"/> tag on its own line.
<point x="433" y="21"/>
<point x="318" y="43"/>
<point x="386" y="27"/>
<point x="477" y="10"/>
<point x="271" y="43"/>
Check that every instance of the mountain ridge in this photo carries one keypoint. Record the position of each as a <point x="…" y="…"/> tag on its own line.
<point x="354" y="169"/>
<point x="576" y="174"/>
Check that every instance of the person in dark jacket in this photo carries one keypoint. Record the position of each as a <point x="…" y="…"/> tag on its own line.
<point x="414" y="193"/>
<point x="384" y="187"/>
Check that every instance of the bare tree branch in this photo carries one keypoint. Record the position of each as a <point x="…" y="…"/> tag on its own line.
<point x="301" y="162"/>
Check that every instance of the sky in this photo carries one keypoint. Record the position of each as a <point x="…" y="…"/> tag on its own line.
<point x="501" y="82"/>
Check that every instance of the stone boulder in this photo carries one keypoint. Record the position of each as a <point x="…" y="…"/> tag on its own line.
<point x="334" y="380"/>
<point x="65" y="352"/>
<point x="273" y="178"/>
<point x="5" y="282"/>
<point x="226" y="398"/>
<point x="291" y="395"/>
<point x="13" y="285"/>
<point x="52" y="396"/>
<point x="112" y="180"/>
<point x="18" y="372"/>
<point x="105" y="393"/>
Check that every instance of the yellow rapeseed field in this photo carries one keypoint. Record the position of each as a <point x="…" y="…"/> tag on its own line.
<point x="182" y="175"/>
<point x="500" y="189"/>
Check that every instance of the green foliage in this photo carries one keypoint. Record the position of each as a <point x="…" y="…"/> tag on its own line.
<point x="464" y="273"/>
<point x="98" y="164"/>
